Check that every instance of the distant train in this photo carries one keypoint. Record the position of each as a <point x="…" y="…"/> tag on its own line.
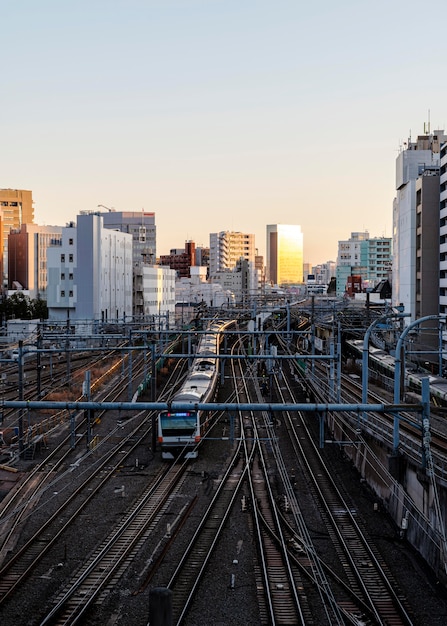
<point x="384" y="363"/>
<point x="179" y="432"/>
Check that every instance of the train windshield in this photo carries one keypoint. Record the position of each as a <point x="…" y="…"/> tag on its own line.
<point x="173" y="424"/>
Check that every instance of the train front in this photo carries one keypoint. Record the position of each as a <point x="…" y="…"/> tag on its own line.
<point x="178" y="434"/>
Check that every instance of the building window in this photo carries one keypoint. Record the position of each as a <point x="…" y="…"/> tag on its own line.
<point x="70" y="293"/>
<point x="62" y="294"/>
<point x="70" y="276"/>
<point x="62" y="276"/>
<point x="62" y="258"/>
<point x="70" y="258"/>
<point x="70" y="242"/>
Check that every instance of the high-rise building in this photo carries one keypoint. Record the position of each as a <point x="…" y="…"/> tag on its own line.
<point x="227" y="248"/>
<point x="16" y="208"/>
<point x="284" y="254"/>
<point x="416" y="226"/>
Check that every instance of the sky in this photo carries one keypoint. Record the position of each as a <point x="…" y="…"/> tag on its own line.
<point x="218" y="114"/>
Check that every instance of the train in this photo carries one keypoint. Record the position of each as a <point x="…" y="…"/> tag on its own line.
<point x="180" y="431"/>
<point x="383" y="363"/>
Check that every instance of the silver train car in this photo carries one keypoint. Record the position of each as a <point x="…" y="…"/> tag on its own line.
<point x="179" y="432"/>
<point x="384" y="363"/>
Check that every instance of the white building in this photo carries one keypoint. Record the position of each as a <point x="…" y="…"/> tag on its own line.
<point x="416" y="159"/>
<point x="193" y="291"/>
<point x="154" y="294"/>
<point x="314" y="285"/>
<point x="243" y="281"/>
<point x="90" y="273"/>
<point x="323" y="272"/>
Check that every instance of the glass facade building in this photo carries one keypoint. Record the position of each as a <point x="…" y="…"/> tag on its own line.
<point x="284" y="254"/>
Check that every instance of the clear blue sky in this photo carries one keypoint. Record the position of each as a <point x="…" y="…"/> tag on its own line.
<point x="218" y="114"/>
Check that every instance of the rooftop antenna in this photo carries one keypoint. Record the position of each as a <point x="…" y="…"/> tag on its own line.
<point x="427" y="128"/>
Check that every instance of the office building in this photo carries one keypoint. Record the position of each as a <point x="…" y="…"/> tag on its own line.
<point x="90" y="273"/>
<point x="16" y="208"/>
<point x="27" y="258"/>
<point x="416" y="232"/>
<point x="284" y="254"/>
<point x="139" y="224"/>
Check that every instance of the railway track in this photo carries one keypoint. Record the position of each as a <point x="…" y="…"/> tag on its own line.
<point x="20" y="565"/>
<point x="278" y="585"/>
<point x="295" y="585"/>
<point x="365" y="571"/>
<point x="86" y="476"/>
<point x="115" y="554"/>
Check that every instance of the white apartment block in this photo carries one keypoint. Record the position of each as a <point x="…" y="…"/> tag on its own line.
<point x="90" y="273"/>
<point x="154" y="294"/>
<point x="227" y="248"/>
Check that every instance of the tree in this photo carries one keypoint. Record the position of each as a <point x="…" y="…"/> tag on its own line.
<point x="20" y="306"/>
<point x="38" y="309"/>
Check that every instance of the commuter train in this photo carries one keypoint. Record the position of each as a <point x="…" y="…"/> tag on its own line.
<point x="384" y="363"/>
<point x="179" y="431"/>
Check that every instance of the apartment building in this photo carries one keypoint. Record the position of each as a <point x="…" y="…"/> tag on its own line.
<point x="368" y="258"/>
<point x="227" y="248"/>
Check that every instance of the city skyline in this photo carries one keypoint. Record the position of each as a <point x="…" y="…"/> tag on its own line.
<point x="216" y="115"/>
